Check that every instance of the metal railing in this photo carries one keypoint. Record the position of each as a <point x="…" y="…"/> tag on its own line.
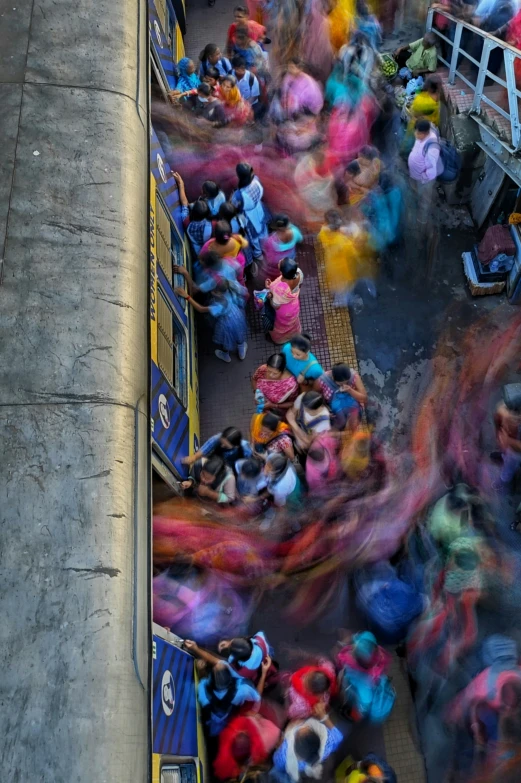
<point x="490" y="42"/>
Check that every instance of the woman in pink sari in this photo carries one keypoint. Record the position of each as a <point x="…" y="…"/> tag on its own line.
<point x="284" y="295"/>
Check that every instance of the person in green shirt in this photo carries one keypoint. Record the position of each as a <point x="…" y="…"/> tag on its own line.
<point x="424" y="55"/>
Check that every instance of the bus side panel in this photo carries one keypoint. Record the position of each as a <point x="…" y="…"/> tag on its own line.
<point x="153" y="272"/>
<point x="170" y="423"/>
<point x="174" y="704"/>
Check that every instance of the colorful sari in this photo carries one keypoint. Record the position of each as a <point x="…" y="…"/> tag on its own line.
<point x="341" y="23"/>
<point x="274" y="441"/>
<point x="277" y="391"/>
<point x="275" y="251"/>
<point x="300" y="94"/>
<point x="286" y="304"/>
<point x="340" y="259"/>
<point x="232" y="252"/>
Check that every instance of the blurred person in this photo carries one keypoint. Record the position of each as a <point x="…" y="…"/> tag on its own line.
<point x="370" y="166"/>
<point x="256" y="31"/>
<point x="341" y="23"/>
<point x="309" y="686"/>
<point x="237" y="111"/>
<point x="251" y="483"/>
<point x="315" y="43"/>
<point x="323" y="467"/>
<point x="280" y="244"/>
<point x="279" y="388"/>
<point x="212" y="57"/>
<point x="211" y="78"/>
<point x="282" y="482"/>
<point x="343" y="248"/>
<point x="227" y="308"/>
<point x="306" y="745"/>
<point x="212" y="479"/>
<point x="249" y="50"/>
<point x="372" y="769"/>
<point x="248" y="201"/>
<point x="423" y="57"/>
<point x="271" y="435"/>
<point x="363" y="667"/>
<point x="247" y="740"/>
<point x="425" y="165"/>
<point x="308" y="418"/>
<point x="284" y="295"/>
<point x="229" y="445"/>
<point x="299" y="92"/>
<point x="301" y="362"/>
<point x="368" y="24"/>
<point x="228" y="246"/>
<point x="507" y="420"/>
<point x="228" y="212"/>
<point x="210" y="270"/>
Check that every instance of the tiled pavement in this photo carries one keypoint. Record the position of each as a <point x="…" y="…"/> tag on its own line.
<point x="226" y="397"/>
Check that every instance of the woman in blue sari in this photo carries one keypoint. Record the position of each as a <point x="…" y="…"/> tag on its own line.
<point x="248" y="201"/>
<point x="188" y="79"/>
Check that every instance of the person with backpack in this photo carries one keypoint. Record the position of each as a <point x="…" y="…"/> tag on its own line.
<point x="247" y="83"/>
<point x="425" y="165"/>
<point x="222" y="692"/>
<point x="306" y="746"/>
<point x="212" y="57"/>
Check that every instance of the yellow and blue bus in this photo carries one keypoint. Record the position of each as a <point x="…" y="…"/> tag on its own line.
<point x="174" y="385"/>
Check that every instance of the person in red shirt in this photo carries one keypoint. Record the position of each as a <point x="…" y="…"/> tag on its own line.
<point x="256" y="31"/>
<point x="247" y="740"/>
<point x="310" y="686"/>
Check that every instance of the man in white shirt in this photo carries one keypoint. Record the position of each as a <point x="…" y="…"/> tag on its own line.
<point x="247" y="83"/>
<point x="425" y="165"/>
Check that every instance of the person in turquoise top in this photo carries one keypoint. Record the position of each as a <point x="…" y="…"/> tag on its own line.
<point x="300" y="361"/>
<point x="282" y="243"/>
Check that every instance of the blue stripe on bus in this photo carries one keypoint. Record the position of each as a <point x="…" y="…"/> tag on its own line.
<point x="159" y="39"/>
<point x="174" y="734"/>
<point x="172" y="440"/>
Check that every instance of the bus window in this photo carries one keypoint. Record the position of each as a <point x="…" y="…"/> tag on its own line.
<point x="171" y="348"/>
<point x="170" y="249"/>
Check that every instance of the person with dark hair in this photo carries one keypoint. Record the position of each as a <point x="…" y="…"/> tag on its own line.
<point x="248" y="201"/>
<point x="306" y="747"/>
<point x="246" y="654"/>
<point x="308" y="418"/>
<point x="228" y="212"/>
<point x="423" y="57"/>
<point x="187" y="79"/>
<point x="229" y="247"/>
<point x="309" y="686"/>
<point x="256" y="31"/>
<point x="278" y="387"/>
<point x="323" y="466"/>
<point x="270" y="435"/>
<point x="208" y="107"/>
<point x="227" y="308"/>
<point x="248" y="49"/>
<point x="196" y="217"/>
<point x="229" y="445"/>
<point x="343" y="391"/>
<point x="425" y="165"/>
<point x="238" y="112"/>
<point x="247" y="741"/>
<point x="211" y="78"/>
<point x="300" y="361"/>
<point x="212" y="479"/>
<point x="370" y="167"/>
<point x="282" y="484"/>
<point x="281" y="243"/>
<point x="213" y="196"/>
<point x="211" y="270"/>
<point x="212" y="57"/>
<point x="251" y="483"/>
<point x="284" y="295"/>
<point x="221" y="693"/>
<point x="247" y="83"/>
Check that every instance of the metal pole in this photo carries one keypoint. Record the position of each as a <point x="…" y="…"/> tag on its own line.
<point x="488" y="45"/>
<point x="509" y="57"/>
<point x="455" y="53"/>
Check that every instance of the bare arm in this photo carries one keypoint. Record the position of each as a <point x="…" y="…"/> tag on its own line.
<point x="181" y="187"/>
<point x="198" y="652"/>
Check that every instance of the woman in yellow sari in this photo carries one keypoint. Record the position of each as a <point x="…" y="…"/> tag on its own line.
<point x="341" y="23"/>
<point x="340" y="257"/>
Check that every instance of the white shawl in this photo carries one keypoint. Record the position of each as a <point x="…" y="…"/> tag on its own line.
<point x="292" y="761"/>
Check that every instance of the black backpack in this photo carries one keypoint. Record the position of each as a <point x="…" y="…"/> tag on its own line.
<point x="450" y="158"/>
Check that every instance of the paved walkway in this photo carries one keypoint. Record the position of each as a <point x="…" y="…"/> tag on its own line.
<point x="226" y="399"/>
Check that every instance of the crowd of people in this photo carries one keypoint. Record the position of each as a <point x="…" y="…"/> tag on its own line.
<point x="302" y="125"/>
